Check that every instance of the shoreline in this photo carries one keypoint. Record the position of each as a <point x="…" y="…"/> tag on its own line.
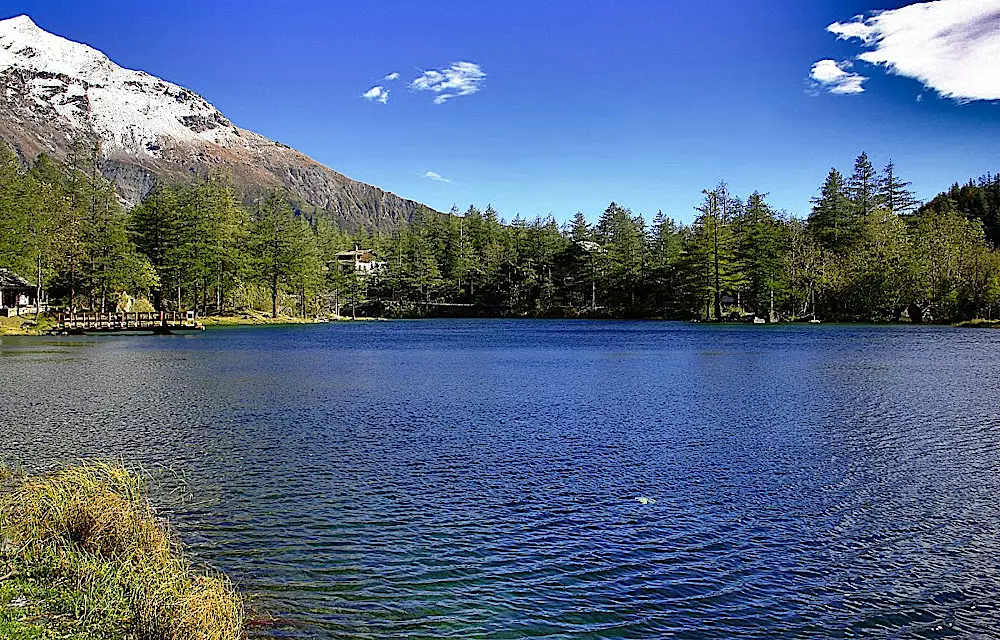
<point x="85" y="555"/>
<point x="255" y="320"/>
<point x="26" y="326"/>
<point x="978" y="324"/>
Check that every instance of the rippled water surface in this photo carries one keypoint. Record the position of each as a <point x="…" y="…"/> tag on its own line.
<point x="479" y="479"/>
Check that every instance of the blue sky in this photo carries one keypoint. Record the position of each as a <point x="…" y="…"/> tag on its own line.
<point x="644" y="103"/>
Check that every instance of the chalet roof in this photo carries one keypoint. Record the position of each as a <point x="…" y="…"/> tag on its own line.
<point x="357" y="255"/>
<point x="10" y="280"/>
<point x="354" y="253"/>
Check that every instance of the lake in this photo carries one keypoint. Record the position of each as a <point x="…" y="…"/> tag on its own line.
<point x="550" y="479"/>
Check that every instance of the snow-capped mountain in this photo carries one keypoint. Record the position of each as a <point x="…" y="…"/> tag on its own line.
<point x="54" y="92"/>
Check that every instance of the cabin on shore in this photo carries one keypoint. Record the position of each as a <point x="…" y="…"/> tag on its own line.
<point x="363" y="262"/>
<point x="17" y="295"/>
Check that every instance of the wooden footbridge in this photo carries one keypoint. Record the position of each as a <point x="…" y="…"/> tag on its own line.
<point x="157" y="322"/>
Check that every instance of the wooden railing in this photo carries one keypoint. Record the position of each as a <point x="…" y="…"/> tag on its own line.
<point x="156" y="320"/>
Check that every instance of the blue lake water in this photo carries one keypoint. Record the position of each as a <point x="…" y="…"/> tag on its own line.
<point x="479" y="479"/>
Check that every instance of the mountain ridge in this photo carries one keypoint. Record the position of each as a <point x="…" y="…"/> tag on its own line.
<point x="56" y="94"/>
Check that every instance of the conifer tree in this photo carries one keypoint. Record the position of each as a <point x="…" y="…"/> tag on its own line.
<point x="579" y="229"/>
<point x="894" y="193"/>
<point x="863" y="187"/>
<point x="711" y="262"/>
<point x="832" y="221"/>
<point x="761" y="247"/>
<point x="278" y="239"/>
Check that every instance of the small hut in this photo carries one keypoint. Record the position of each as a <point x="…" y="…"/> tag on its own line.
<point x="17" y="295"/>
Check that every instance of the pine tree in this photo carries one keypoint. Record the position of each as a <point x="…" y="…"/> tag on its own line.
<point x="832" y="221"/>
<point x="893" y="192"/>
<point x="863" y="187"/>
<point x="622" y="236"/>
<point x="761" y="247"/>
<point x="579" y="229"/>
<point x="711" y="260"/>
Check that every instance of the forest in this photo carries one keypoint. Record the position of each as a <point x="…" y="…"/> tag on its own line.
<point x="867" y="251"/>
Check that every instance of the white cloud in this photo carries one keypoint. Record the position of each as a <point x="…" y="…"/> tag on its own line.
<point x="376" y="94"/>
<point x="835" y="77"/>
<point x="460" y="79"/>
<point x="392" y="76"/>
<point x="435" y="176"/>
<point x="951" y="46"/>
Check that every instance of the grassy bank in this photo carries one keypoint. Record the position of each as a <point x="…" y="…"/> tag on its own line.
<point x="83" y="556"/>
<point x="979" y="324"/>
<point x="25" y="325"/>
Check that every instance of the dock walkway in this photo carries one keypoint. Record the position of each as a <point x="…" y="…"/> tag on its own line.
<point x="154" y="322"/>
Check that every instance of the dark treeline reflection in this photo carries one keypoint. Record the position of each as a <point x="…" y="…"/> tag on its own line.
<point x="866" y="251"/>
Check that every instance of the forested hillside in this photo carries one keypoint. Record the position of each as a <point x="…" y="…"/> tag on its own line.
<point x="865" y="252"/>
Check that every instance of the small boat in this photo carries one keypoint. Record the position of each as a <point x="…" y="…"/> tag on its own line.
<point x="814" y="321"/>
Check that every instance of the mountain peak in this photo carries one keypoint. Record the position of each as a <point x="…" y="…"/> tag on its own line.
<point x="24" y="44"/>
<point x="55" y="92"/>
<point x="22" y="22"/>
<point x="131" y="112"/>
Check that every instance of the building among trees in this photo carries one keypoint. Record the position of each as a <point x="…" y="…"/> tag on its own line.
<point x="360" y="261"/>
<point x="17" y="295"/>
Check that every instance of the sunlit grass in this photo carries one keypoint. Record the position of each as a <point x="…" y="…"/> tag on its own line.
<point x="84" y="556"/>
<point x="26" y="325"/>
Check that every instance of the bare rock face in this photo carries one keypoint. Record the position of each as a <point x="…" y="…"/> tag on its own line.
<point x="56" y="94"/>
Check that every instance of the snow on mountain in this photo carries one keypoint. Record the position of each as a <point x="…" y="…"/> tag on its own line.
<point x="55" y="93"/>
<point x="130" y="110"/>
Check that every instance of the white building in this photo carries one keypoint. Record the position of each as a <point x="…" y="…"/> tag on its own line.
<point x="360" y="261"/>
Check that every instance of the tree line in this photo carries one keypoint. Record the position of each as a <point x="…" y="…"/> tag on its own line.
<point x="866" y="251"/>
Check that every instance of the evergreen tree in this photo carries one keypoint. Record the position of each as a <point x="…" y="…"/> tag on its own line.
<point x="863" y="187"/>
<point x="893" y="192"/>
<point x="711" y="253"/>
<point x="579" y="230"/>
<point x="281" y="248"/>
<point x="761" y="245"/>
<point x="832" y="221"/>
<point x="622" y="236"/>
<point x="14" y="191"/>
<point x="665" y="244"/>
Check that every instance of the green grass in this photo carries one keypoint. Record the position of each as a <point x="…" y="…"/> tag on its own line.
<point x="979" y="324"/>
<point x="26" y="326"/>
<point x="83" y="556"/>
<point x="40" y="608"/>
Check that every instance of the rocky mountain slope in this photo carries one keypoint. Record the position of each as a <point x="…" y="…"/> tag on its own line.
<point x="54" y="92"/>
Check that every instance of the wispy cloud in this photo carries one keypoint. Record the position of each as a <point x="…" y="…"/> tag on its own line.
<point x="435" y="176"/>
<point x="460" y="79"/>
<point x="392" y="76"/>
<point x="835" y="78"/>
<point x="376" y="94"/>
<point x="951" y="46"/>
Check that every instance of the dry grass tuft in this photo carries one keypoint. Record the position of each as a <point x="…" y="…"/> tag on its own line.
<point x="92" y="527"/>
